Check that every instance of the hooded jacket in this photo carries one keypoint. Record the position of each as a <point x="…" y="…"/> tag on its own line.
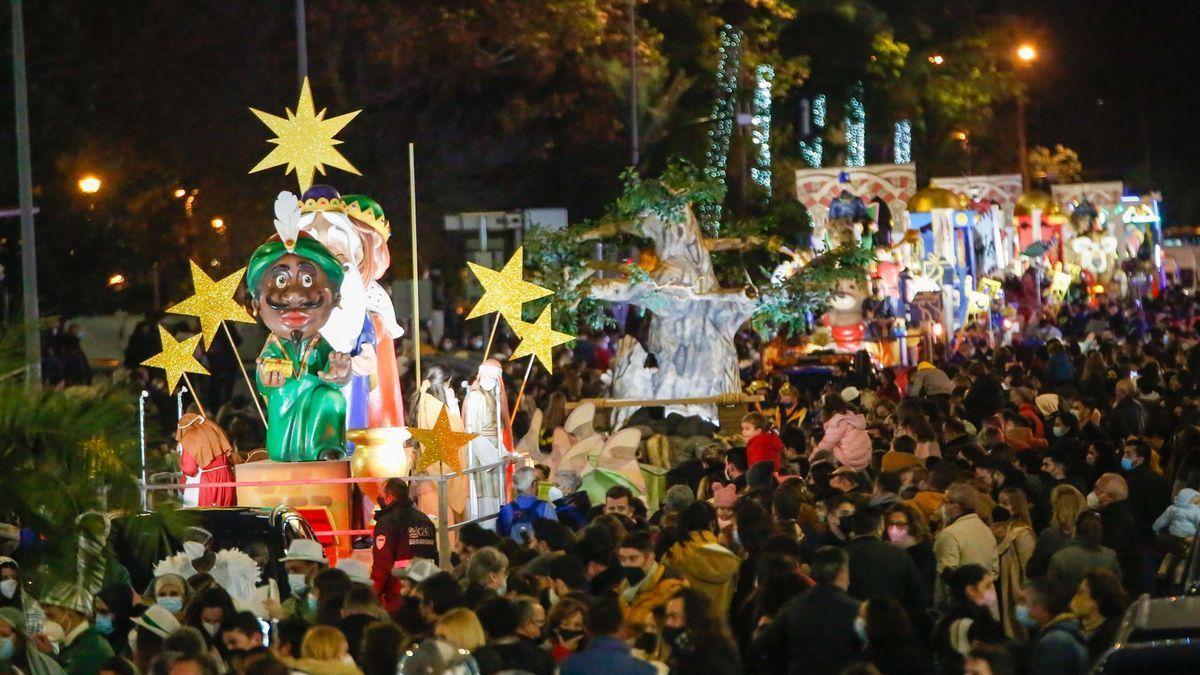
<point x="1181" y="519"/>
<point x="846" y="436"/>
<point x="708" y="567"/>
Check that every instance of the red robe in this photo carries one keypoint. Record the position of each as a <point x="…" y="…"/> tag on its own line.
<point x="385" y="405"/>
<point x="217" y="471"/>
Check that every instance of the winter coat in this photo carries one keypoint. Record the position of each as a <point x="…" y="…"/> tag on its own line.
<point x="1014" y="552"/>
<point x="765" y="447"/>
<point x="964" y="541"/>
<point x="1127" y="418"/>
<point x="1149" y="496"/>
<point x="846" y="435"/>
<point x="812" y="635"/>
<point x="1059" y="648"/>
<point x="983" y="399"/>
<point x="930" y="381"/>
<point x="653" y="592"/>
<point x="879" y="569"/>
<point x="1070" y="565"/>
<point x="1182" y="518"/>
<point x="1121" y="535"/>
<point x="708" y="567"/>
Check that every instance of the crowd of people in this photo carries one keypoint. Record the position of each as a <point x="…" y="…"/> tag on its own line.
<point x="994" y="509"/>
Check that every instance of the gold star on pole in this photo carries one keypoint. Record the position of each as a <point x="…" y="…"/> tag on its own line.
<point x="176" y="358"/>
<point x="440" y="444"/>
<point x="213" y="302"/>
<point x="539" y="338"/>
<point x="305" y="140"/>
<point x="505" y="291"/>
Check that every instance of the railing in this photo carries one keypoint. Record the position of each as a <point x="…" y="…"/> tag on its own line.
<point x="443" y="530"/>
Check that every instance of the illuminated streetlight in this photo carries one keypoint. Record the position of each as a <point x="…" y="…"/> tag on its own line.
<point x="1026" y="52"/>
<point x="960" y="136"/>
<point x="116" y="281"/>
<point x="179" y="193"/>
<point x="218" y="224"/>
<point x="89" y="184"/>
<point x="937" y="59"/>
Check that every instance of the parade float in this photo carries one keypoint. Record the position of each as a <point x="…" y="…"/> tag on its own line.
<point x="326" y="382"/>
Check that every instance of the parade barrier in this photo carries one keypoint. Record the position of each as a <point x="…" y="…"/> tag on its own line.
<point x="282" y="496"/>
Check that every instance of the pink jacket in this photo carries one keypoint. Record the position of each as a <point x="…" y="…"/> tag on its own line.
<point x="846" y="435"/>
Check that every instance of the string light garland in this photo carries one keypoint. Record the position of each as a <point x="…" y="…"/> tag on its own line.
<point x="764" y="77"/>
<point x="811" y="151"/>
<point x="902" y="142"/>
<point x="723" y="113"/>
<point x="856" y="129"/>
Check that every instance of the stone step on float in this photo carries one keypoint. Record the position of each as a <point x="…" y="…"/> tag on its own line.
<point x="335" y="497"/>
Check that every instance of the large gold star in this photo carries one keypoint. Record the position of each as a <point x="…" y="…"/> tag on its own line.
<point x="176" y="358"/>
<point x="305" y="140"/>
<point x="213" y="302"/>
<point x="539" y="338"/>
<point x="505" y="291"/>
<point x="440" y="444"/>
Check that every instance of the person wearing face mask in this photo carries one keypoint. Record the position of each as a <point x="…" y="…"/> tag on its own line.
<point x="303" y="560"/>
<point x="505" y="649"/>
<point x="884" y="627"/>
<point x="485" y="413"/>
<point x="487" y="575"/>
<point x="964" y="538"/>
<point x="12" y="594"/>
<point x="516" y="518"/>
<point x="1110" y="497"/>
<point x="1100" y="605"/>
<point x="650" y="583"/>
<point x="83" y="647"/>
<point x="402" y="533"/>
<point x="112" y="609"/>
<point x="208" y="610"/>
<point x="1149" y="492"/>
<point x="880" y="570"/>
<point x="171" y="592"/>
<point x="908" y="529"/>
<point x="699" y="642"/>
<point x="972" y="610"/>
<point x="565" y="628"/>
<point x="1057" y="645"/>
<point x="18" y="650"/>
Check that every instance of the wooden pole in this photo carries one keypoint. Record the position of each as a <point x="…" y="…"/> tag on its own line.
<point x="521" y="393"/>
<point x="253" y="390"/>
<point x="195" y="398"/>
<point x="416" y="296"/>
<point x="487" y="349"/>
<point x="720" y="399"/>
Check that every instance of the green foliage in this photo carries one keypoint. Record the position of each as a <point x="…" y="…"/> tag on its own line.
<point x="788" y="305"/>
<point x="66" y="453"/>
<point x="680" y="184"/>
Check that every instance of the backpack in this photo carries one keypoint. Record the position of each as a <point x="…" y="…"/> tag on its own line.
<point x="522" y="521"/>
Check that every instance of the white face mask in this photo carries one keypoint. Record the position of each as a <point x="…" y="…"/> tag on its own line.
<point x="1093" y="501"/>
<point x="297" y="583"/>
<point x="9" y="588"/>
<point x="194" y="550"/>
<point x="211" y="628"/>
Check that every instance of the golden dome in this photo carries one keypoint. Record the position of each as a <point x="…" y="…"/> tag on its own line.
<point x="930" y="198"/>
<point x="1036" y="199"/>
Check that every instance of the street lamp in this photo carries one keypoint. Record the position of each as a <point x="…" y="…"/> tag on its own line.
<point x="179" y="193"/>
<point x="937" y="59"/>
<point x="218" y="224"/>
<point x="89" y="184"/>
<point x="1026" y="55"/>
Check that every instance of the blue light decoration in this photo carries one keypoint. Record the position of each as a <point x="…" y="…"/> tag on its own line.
<point x="902" y="142"/>
<point x="723" y="113"/>
<point x="764" y="76"/>
<point x="856" y="129"/>
<point x="811" y="151"/>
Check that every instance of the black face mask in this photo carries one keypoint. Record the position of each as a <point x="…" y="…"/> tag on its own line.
<point x="634" y="575"/>
<point x="565" y="635"/>
<point x="676" y="637"/>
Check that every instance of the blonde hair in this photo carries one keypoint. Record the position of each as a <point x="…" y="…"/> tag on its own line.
<point x="1066" y="503"/>
<point x="324" y="643"/>
<point x="1020" y="505"/>
<point x="461" y="628"/>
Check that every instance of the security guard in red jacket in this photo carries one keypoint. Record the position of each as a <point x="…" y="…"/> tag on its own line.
<point x="402" y="532"/>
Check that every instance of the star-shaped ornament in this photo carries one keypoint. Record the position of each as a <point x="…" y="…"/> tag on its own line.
<point x="305" y="140"/>
<point x="440" y="444"/>
<point x="176" y="358"/>
<point x="213" y="302"/>
<point x="505" y="291"/>
<point x="539" y="338"/>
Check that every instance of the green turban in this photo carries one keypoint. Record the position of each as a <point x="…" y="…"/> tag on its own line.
<point x="306" y="247"/>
